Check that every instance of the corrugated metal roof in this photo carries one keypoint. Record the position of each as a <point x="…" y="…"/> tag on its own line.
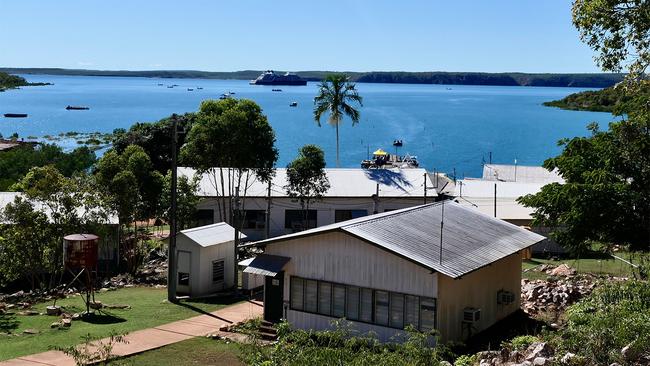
<point x="266" y="264"/>
<point x="520" y="173"/>
<point x="208" y="235"/>
<point x="470" y="239"/>
<point x="343" y="183"/>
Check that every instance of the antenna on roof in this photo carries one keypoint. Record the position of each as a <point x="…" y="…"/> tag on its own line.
<point x="442" y="225"/>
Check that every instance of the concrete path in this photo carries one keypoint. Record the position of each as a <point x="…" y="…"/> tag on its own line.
<point x="156" y="337"/>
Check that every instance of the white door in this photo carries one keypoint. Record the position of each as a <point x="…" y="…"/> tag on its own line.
<point x="184" y="266"/>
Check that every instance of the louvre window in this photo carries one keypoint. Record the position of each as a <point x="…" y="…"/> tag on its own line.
<point x="217" y="271"/>
<point x="297" y="288"/>
<point x="396" y="310"/>
<point x="254" y="219"/>
<point x="295" y="220"/>
<point x="311" y="296"/>
<point x="344" y="215"/>
<point x="381" y="307"/>
<point x="411" y="312"/>
<point x="325" y="298"/>
<point x="352" y="303"/>
<point x="338" y="301"/>
<point x="366" y="305"/>
<point x="427" y="314"/>
<point x="385" y="308"/>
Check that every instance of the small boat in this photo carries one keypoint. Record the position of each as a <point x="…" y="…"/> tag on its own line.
<point x="397" y="143"/>
<point x="231" y="93"/>
<point x="293" y="104"/>
<point x="276" y="90"/>
<point x="199" y="88"/>
<point x="15" y="115"/>
<point x="76" y="108"/>
<point x="190" y="89"/>
<point x="170" y="86"/>
<point x="160" y="84"/>
<point x="224" y="96"/>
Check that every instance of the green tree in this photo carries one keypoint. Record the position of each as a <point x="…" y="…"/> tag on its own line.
<point x="617" y="30"/>
<point x="337" y="96"/>
<point x="15" y="163"/>
<point x="155" y="138"/>
<point x="306" y="178"/>
<point x="187" y="200"/>
<point x="233" y="143"/>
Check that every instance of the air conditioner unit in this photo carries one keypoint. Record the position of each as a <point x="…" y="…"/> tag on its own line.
<point x="505" y="297"/>
<point x="471" y="315"/>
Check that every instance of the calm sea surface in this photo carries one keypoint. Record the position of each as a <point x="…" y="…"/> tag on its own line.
<point x="447" y="127"/>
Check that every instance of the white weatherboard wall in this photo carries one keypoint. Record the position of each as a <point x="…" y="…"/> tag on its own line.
<point x="341" y="258"/>
<point x="201" y="262"/>
<point x="326" y="210"/>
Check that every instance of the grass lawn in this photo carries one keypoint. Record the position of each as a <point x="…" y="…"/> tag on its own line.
<point x="149" y="308"/>
<point x="195" y="351"/>
<point x="596" y="265"/>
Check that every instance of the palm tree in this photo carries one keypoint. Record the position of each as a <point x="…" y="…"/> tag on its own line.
<point x="336" y="95"/>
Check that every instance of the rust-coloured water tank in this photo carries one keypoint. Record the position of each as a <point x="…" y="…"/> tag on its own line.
<point x="80" y="251"/>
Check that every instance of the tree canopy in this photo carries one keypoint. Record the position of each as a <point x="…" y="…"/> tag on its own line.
<point x="337" y="97"/>
<point x="15" y="163"/>
<point x="306" y="178"/>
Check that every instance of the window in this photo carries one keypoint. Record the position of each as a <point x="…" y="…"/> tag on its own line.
<point x="352" y="303"/>
<point x="254" y="219"/>
<point x="338" y="301"/>
<point x="366" y="305"/>
<point x="411" y="313"/>
<point x="217" y="271"/>
<point x="396" y="310"/>
<point x="311" y="296"/>
<point x="344" y="215"/>
<point x="385" y="308"/>
<point x="295" y="219"/>
<point x="297" y="290"/>
<point x="204" y="217"/>
<point x="381" y="307"/>
<point x="427" y="314"/>
<point x="183" y="279"/>
<point x="324" y="298"/>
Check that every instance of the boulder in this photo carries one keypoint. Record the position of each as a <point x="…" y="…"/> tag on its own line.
<point x="567" y="357"/>
<point x="562" y="270"/>
<point x="539" y="361"/>
<point x="55" y="325"/>
<point x="30" y="331"/>
<point x="66" y="322"/>
<point x="538" y="349"/>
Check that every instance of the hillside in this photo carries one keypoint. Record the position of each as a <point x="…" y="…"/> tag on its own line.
<point x="451" y="78"/>
<point x="597" y="100"/>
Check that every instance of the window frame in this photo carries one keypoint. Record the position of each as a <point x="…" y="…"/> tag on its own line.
<point x="299" y="211"/>
<point x="360" y="289"/>
<point x="223" y="270"/>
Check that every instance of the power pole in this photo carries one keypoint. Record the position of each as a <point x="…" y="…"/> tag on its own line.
<point x="375" y="198"/>
<point x="425" y="188"/>
<point x="171" y="256"/>
<point x="442" y="225"/>
<point x="490" y="155"/>
<point x="267" y="224"/>
<point x="495" y="200"/>
<point x="237" y="223"/>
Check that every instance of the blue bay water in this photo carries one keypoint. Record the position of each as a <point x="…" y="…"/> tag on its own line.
<point x="447" y="127"/>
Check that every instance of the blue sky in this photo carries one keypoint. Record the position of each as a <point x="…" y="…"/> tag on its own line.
<point x="409" y="35"/>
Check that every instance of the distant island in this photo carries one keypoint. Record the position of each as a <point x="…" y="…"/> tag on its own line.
<point x="596" y="80"/>
<point x="8" y="81"/>
<point x="596" y="100"/>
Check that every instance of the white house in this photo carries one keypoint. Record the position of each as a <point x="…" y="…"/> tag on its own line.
<point x="391" y="269"/>
<point x="205" y="259"/>
<point x="353" y="193"/>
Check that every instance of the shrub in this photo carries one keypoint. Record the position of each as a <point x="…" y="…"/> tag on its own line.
<point x="520" y="343"/>
<point x="465" y="360"/>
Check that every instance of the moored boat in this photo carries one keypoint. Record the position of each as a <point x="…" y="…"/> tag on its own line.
<point x="293" y="104"/>
<point x="76" y="108"/>
<point x="271" y="78"/>
<point x="15" y="115"/>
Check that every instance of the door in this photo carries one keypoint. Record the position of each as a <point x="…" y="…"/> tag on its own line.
<point x="184" y="266"/>
<point x="273" y="302"/>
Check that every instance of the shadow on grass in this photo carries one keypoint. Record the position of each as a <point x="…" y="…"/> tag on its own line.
<point x="102" y="318"/>
<point x="8" y="322"/>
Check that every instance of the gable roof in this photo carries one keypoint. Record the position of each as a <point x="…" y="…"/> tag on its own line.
<point x="470" y="239"/>
<point x="344" y="182"/>
<point x="213" y="234"/>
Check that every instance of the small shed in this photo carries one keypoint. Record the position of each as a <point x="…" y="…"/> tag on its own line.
<point x="205" y="259"/>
